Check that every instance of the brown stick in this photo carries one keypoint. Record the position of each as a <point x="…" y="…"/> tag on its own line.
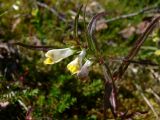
<point x="33" y="47"/>
<point x="134" y="51"/>
<point x="144" y="10"/>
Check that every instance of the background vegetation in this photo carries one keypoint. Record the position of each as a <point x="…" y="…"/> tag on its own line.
<point x="31" y="90"/>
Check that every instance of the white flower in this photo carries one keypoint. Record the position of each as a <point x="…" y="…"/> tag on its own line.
<point x="56" y="55"/>
<point x="75" y="65"/>
<point x="85" y="69"/>
<point x="16" y="7"/>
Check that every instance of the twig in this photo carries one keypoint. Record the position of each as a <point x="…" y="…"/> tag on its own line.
<point x="135" y="49"/>
<point x="139" y="62"/>
<point x="33" y="47"/>
<point x="23" y="105"/>
<point x="155" y="75"/>
<point x="3" y="13"/>
<point x="146" y="100"/>
<point x="144" y="10"/>
<point x="155" y="94"/>
<point x="51" y="9"/>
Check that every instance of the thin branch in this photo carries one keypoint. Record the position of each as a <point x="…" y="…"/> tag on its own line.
<point x="51" y="9"/>
<point x="147" y="101"/>
<point x="139" y="62"/>
<point x="155" y="75"/>
<point x="33" y="47"/>
<point x="4" y="10"/>
<point x="3" y="13"/>
<point x="144" y="10"/>
<point x="135" y="49"/>
<point x="155" y="94"/>
<point x="23" y="105"/>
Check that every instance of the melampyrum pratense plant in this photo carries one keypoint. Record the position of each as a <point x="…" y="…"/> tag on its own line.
<point x="90" y="53"/>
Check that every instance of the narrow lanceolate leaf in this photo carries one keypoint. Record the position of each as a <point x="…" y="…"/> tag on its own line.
<point x="91" y="29"/>
<point x="134" y="51"/>
<point x="76" y="22"/>
<point x="84" y="22"/>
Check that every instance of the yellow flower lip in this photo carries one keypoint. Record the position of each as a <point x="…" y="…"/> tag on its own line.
<point x="48" y="61"/>
<point x="56" y="55"/>
<point x="74" y="66"/>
